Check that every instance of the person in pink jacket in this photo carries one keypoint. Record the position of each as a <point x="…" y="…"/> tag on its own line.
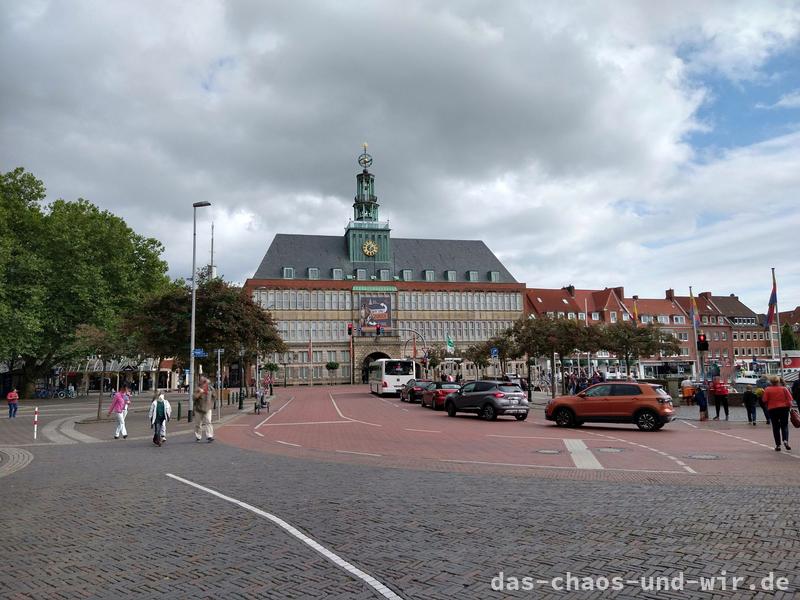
<point x="118" y="405"/>
<point x="778" y="400"/>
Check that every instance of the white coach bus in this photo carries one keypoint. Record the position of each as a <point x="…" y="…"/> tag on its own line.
<point x="389" y="375"/>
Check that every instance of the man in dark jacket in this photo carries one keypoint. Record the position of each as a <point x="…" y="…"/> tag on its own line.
<point x="796" y="392"/>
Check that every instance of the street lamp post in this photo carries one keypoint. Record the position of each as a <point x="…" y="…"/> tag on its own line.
<point x="190" y="404"/>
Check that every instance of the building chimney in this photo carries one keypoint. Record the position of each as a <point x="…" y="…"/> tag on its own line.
<point x="635" y="297"/>
<point x="570" y="289"/>
<point x="620" y="292"/>
<point x="670" y="294"/>
<point x="705" y="295"/>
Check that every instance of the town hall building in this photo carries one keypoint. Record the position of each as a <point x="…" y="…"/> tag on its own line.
<point x="365" y="295"/>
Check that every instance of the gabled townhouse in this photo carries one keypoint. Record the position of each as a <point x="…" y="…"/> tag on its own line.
<point x="718" y="330"/>
<point x="671" y="316"/>
<point x="792" y="317"/>
<point x="750" y="341"/>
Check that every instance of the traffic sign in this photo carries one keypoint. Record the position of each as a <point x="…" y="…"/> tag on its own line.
<point x="200" y="353"/>
<point x="495" y="353"/>
<point x="220" y="350"/>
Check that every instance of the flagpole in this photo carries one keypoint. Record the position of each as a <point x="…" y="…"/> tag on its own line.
<point x="778" y="322"/>
<point x="693" y="317"/>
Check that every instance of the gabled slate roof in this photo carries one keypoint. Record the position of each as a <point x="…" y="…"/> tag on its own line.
<point x="731" y="306"/>
<point x="327" y="252"/>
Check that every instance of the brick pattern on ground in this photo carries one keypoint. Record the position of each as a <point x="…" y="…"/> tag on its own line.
<point x="103" y="521"/>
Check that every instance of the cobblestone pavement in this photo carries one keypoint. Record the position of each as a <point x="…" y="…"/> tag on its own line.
<point x="104" y="521"/>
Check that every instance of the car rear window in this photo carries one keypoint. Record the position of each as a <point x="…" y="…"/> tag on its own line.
<point x="509" y="388"/>
<point x="450" y="386"/>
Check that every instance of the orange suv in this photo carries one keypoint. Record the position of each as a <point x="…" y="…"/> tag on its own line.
<point x="646" y="405"/>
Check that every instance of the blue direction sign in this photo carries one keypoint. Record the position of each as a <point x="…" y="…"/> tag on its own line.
<point x="200" y="353"/>
<point x="495" y="353"/>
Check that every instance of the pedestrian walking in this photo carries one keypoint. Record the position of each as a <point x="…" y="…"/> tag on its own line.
<point x="117" y="408"/>
<point x="759" y="391"/>
<point x="160" y="413"/>
<point x="720" y="391"/>
<point x="202" y="408"/>
<point x="702" y="402"/>
<point x="750" y="402"/>
<point x="778" y="399"/>
<point x="13" y="402"/>
<point x="126" y="392"/>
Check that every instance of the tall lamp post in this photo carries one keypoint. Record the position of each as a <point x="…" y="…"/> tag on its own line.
<point x="190" y="403"/>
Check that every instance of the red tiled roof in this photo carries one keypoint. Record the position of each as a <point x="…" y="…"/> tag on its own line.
<point x="790" y="316"/>
<point x="704" y="307"/>
<point x="543" y="300"/>
<point x="654" y="306"/>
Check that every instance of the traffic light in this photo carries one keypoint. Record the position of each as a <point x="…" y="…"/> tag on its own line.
<point x="349" y="329"/>
<point x="702" y="342"/>
<point x="378" y="329"/>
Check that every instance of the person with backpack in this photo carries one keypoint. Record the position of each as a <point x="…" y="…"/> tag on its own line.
<point x="160" y="413"/>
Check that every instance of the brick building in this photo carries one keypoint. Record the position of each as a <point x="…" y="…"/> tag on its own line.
<point x="420" y="292"/>
<point x="750" y="343"/>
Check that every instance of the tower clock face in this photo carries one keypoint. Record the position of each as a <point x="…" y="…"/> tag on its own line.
<point x="370" y="248"/>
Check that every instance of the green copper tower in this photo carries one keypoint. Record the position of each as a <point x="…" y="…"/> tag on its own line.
<point x="367" y="237"/>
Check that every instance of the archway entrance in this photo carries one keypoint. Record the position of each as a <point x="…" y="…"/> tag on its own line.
<point x="367" y="360"/>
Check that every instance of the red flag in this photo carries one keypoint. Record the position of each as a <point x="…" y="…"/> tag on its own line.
<point x="773" y="302"/>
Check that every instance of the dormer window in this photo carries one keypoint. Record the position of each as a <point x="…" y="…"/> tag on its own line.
<point x="384" y="274"/>
<point x="288" y="272"/>
<point x="494" y="276"/>
<point x="450" y="275"/>
<point x="472" y="276"/>
<point x="407" y="275"/>
<point x="313" y="273"/>
<point x="429" y="275"/>
<point x="337" y="274"/>
<point x="361" y="274"/>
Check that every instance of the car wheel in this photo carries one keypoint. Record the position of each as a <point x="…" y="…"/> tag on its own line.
<point x="521" y="417"/>
<point x="659" y="426"/>
<point x="451" y="409"/>
<point x="564" y="417"/>
<point x="488" y="412"/>
<point x="647" y="420"/>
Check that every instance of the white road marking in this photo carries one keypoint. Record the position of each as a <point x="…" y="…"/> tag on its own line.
<point x="736" y="437"/>
<point x="581" y="455"/>
<point x="525" y="437"/>
<point x="259" y="434"/>
<point x="689" y="424"/>
<point x="499" y="464"/>
<point x="422" y="430"/>
<point x="405" y="410"/>
<point x="360" y="453"/>
<point x="334" y="558"/>
<point x="288" y="444"/>
<point x="52" y="433"/>
<point x="306" y="423"/>
<point x="669" y="456"/>
<point x="275" y="413"/>
<point x="336" y="406"/>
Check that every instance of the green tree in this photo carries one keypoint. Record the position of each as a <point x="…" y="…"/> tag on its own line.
<point x="630" y="342"/>
<point x="331" y="367"/>
<point x="788" y="338"/>
<point x="478" y="355"/>
<point x="225" y="317"/>
<point x="507" y="348"/>
<point x="65" y="265"/>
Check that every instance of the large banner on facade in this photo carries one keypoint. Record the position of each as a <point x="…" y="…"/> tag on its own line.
<point x="375" y="310"/>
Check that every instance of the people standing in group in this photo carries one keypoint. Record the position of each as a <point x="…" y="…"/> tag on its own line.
<point x="118" y="408"/>
<point x="160" y="412"/>
<point x="778" y="400"/>
<point x="720" y="391"/>
<point x="203" y="410"/>
<point x="13" y="402"/>
<point x="750" y="401"/>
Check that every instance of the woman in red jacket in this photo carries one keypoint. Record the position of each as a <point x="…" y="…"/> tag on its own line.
<point x="778" y="400"/>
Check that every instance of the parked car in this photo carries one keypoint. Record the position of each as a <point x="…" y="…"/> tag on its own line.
<point x="647" y="405"/>
<point x="488" y="399"/>
<point x="435" y="394"/>
<point x="412" y="391"/>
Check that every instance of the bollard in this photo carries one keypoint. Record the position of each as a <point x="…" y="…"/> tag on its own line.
<point x="241" y="401"/>
<point x="228" y="397"/>
<point x="256" y="408"/>
<point x="179" y="410"/>
<point x="35" y="421"/>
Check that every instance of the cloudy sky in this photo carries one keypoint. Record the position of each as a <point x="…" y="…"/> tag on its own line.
<point x="643" y="144"/>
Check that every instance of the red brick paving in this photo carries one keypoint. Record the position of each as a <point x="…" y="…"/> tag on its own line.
<point x="507" y="445"/>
